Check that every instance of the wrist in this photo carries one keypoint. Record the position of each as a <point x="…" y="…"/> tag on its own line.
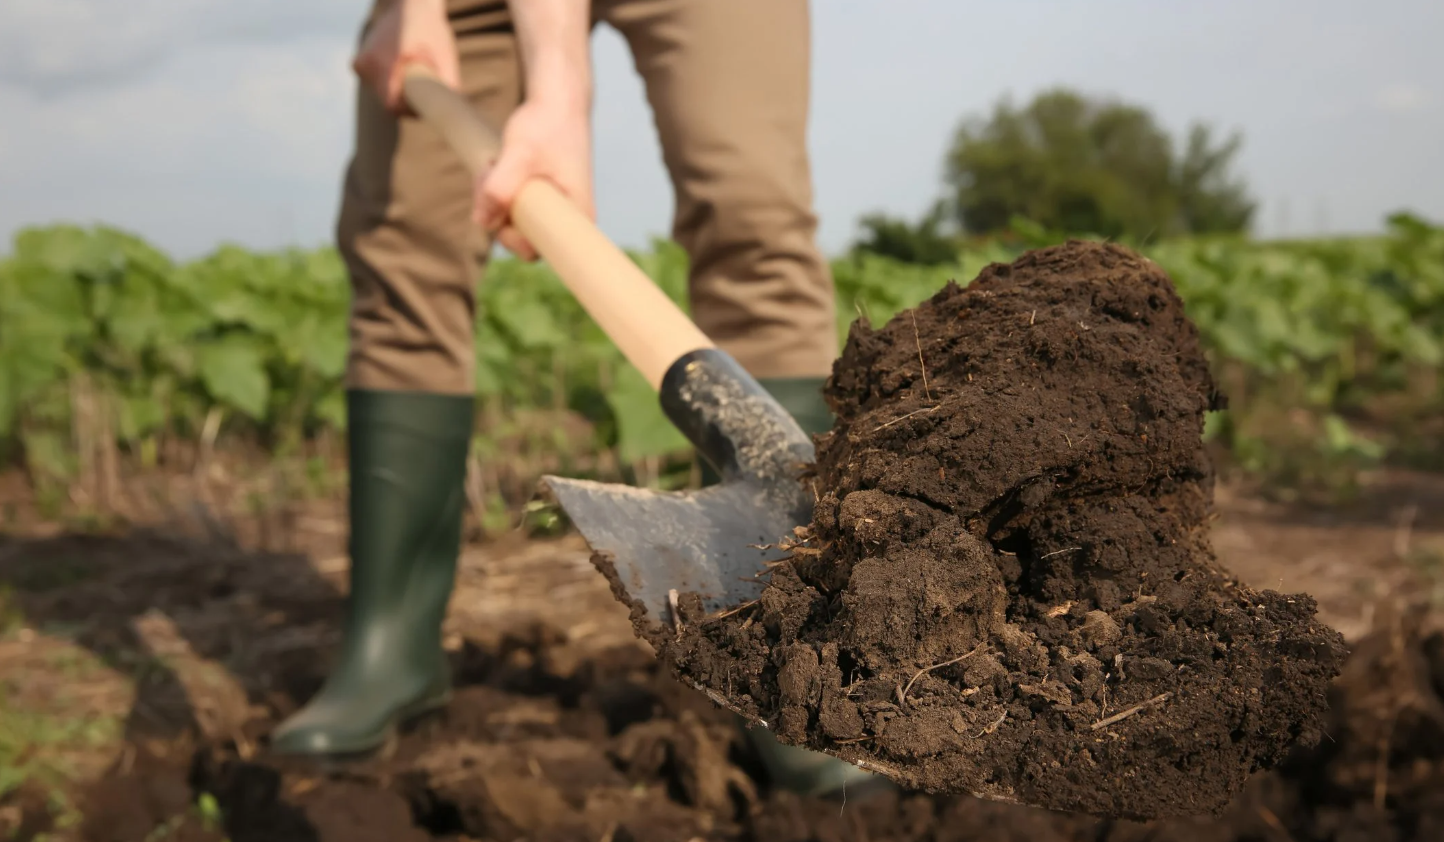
<point x="560" y="81"/>
<point x="554" y="37"/>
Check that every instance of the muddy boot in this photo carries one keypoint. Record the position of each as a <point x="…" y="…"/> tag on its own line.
<point x="788" y="767"/>
<point x="408" y="465"/>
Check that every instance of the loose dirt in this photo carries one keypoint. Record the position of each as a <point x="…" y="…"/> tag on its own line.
<point x="545" y="746"/>
<point x="1008" y="588"/>
<point x="564" y="727"/>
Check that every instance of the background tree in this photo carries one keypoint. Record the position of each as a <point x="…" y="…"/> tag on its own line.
<point x="1087" y="165"/>
<point x="925" y="243"/>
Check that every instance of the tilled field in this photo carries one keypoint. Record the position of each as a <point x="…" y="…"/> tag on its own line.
<point x="564" y="729"/>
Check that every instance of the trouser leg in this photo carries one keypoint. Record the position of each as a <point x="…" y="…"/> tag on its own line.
<point x="413" y="256"/>
<point x="405" y="230"/>
<point x="729" y="87"/>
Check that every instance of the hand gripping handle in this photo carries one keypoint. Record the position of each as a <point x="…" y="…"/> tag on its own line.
<point x="650" y="330"/>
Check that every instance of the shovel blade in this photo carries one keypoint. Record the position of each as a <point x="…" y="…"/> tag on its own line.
<point x="711" y="542"/>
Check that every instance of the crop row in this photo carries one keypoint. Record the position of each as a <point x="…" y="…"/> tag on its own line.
<point x="255" y="343"/>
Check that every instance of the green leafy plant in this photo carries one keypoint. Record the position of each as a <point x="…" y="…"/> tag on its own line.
<point x="107" y="343"/>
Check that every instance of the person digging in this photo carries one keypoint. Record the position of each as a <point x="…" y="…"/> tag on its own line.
<point x="729" y="89"/>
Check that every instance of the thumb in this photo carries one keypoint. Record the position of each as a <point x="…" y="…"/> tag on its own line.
<point x="513" y="241"/>
<point x="369" y="65"/>
<point x="497" y="189"/>
<point x="579" y="190"/>
<point x="401" y="64"/>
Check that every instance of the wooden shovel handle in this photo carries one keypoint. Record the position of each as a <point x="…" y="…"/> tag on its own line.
<point x="651" y="331"/>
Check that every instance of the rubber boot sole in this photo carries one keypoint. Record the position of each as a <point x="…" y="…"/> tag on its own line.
<point x="406" y="719"/>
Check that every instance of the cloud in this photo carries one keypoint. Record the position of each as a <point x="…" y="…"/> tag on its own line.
<point x="196" y="121"/>
<point x="52" y="48"/>
<point x="301" y="104"/>
<point x="241" y="142"/>
<point x="265" y="110"/>
<point x="1401" y="98"/>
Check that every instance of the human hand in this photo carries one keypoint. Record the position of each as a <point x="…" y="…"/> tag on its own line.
<point x="408" y="32"/>
<point x="543" y="139"/>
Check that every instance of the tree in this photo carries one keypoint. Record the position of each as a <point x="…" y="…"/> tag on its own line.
<point x="924" y="243"/>
<point x="1084" y="165"/>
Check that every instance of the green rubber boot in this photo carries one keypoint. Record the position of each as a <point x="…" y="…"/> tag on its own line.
<point x="408" y="467"/>
<point x="795" y="769"/>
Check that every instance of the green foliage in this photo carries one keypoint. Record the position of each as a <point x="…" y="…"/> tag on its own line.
<point x="643" y="430"/>
<point x="924" y="244"/>
<point x="1075" y="163"/>
<point x="258" y="342"/>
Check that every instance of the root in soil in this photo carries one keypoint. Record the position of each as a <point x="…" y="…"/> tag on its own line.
<point x="1008" y="588"/>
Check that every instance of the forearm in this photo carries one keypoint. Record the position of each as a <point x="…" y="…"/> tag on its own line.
<point x="554" y="37"/>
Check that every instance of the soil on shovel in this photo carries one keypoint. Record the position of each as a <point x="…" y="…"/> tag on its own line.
<point x="1008" y="588"/>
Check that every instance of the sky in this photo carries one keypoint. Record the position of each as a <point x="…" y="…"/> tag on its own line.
<point x="199" y="122"/>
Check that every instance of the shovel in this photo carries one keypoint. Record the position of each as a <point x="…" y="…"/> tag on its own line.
<point x="715" y="542"/>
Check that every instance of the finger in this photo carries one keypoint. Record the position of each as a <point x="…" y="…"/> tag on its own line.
<point x="481" y="210"/>
<point x="364" y="65"/>
<point x="581" y="197"/>
<point x="396" y="101"/>
<point x="396" y="93"/>
<point x="363" y="61"/>
<point x="515" y="243"/>
<point x="577" y="185"/>
<point x="449" y="69"/>
<point x="499" y="189"/>
<point x="486" y="213"/>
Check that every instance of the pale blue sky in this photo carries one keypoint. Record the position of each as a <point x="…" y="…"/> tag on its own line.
<point x="193" y="122"/>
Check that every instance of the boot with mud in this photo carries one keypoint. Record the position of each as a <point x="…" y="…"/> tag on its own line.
<point x="798" y="770"/>
<point x="407" y="467"/>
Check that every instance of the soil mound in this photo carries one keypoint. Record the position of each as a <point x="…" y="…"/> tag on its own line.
<point x="1008" y="588"/>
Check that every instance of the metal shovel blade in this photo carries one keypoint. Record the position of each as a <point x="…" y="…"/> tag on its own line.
<point x="716" y="542"/>
<point x="709" y="542"/>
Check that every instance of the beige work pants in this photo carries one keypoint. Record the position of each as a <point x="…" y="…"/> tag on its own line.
<point x="728" y="83"/>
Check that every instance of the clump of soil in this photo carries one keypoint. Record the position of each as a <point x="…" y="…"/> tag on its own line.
<point x="618" y="749"/>
<point x="564" y="728"/>
<point x="1008" y="588"/>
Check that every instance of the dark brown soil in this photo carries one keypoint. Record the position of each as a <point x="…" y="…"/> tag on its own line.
<point x="618" y="750"/>
<point x="563" y="728"/>
<point x="1008" y="588"/>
